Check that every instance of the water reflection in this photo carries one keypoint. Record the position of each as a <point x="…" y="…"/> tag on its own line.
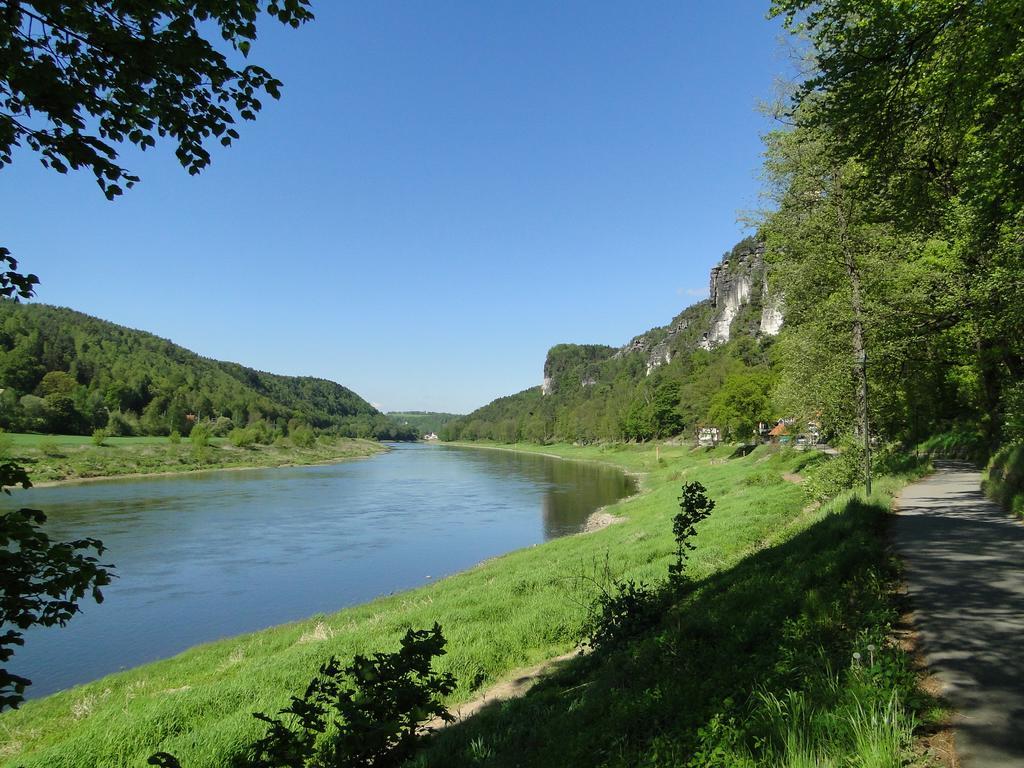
<point x="210" y="555"/>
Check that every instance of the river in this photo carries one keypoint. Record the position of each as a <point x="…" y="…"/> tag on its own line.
<point x="204" y="556"/>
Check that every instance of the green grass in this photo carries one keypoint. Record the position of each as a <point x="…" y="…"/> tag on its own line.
<point x="52" y="458"/>
<point x="34" y="440"/>
<point x="1004" y="478"/>
<point x="776" y="582"/>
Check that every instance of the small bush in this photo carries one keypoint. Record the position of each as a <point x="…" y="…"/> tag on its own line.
<point x="619" y="615"/>
<point x="303" y="436"/>
<point x="828" y="479"/>
<point x="122" y="424"/>
<point x="221" y="426"/>
<point x="261" y="432"/>
<point x="242" y="438"/>
<point x="50" y="448"/>
<point x="763" y="479"/>
<point x="369" y="713"/>
<point x="174" y="437"/>
<point x="99" y="437"/>
<point x="200" y="435"/>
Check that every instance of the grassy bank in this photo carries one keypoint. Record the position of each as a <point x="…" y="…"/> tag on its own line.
<point x="778" y="581"/>
<point x="1004" y="478"/>
<point x="54" y="458"/>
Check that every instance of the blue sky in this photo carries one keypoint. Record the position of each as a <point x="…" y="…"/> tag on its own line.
<point x="445" y="190"/>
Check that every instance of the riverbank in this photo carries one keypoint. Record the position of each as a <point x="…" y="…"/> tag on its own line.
<point x="60" y="459"/>
<point x="764" y="560"/>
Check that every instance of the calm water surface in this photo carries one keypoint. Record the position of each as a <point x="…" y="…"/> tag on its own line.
<point x="205" y="556"/>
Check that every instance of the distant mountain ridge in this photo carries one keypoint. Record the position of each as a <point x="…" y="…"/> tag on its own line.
<point x="63" y="370"/>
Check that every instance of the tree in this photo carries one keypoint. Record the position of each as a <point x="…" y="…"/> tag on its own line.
<point x="57" y="383"/>
<point x="834" y="258"/>
<point x="665" y="409"/>
<point x="82" y="77"/>
<point x="929" y="99"/>
<point x="741" y="402"/>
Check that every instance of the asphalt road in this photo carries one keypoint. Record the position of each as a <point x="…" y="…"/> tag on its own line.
<point x="964" y="571"/>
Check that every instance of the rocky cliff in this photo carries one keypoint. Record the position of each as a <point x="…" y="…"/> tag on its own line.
<point x="739" y="302"/>
<point x="739" y="281"/>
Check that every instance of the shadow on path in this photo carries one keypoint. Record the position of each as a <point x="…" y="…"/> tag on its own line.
<point x="963" y="559"/>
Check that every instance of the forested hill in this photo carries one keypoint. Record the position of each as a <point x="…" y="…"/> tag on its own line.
<point x="424" y="422"/>
<point x="66" y="372"/>
<point x="708" y="365"/>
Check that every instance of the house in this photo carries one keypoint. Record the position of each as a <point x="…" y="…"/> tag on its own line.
<point x="431" y="436"/>
<point x="779" y="433"/>
<point x="708" y="436"/>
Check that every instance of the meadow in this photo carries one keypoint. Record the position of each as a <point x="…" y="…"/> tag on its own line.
<point x="754" y="664"/>
<point x="56" y="458"/>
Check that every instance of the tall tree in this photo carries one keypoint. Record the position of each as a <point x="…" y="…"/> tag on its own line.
<point x="929" y="98"/>
<point x="835" y="262"/>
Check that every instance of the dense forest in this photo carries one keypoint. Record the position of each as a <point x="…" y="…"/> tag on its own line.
<point x="423" y="422"/>
<point x="65" y="372"/>
<point x="894" y="237"/>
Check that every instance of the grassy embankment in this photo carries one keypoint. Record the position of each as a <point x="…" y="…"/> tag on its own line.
<point x="761" y="649"/>
<point x="1004" y="478"/>
<point x="51" y="458"/>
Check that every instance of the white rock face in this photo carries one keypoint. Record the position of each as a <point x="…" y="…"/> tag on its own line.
<point x="660" y="355"/>
<point x="733" y="283"/>
<point x="545" y="387"/>
<point x="771" y="313"/>
<point x="730" y="290"/>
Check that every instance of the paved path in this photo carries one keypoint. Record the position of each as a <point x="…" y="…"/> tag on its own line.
<point x="964" y="561"/>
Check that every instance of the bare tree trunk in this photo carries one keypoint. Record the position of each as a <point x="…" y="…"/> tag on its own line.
<point x="860" y="363"/>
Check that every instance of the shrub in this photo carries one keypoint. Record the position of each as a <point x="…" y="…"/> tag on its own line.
<point x="174" y="437"/>
<point x="261" y="432"/>
<point x="303" y="436"/>
<point x="961" y="441"/>
<point x="626" y="611"/>
<point x="763" y="479"/>
<point x="121" y="424"/>
<point x="828" y="479"/>
<point x="369" y="713"/>
<point x="221" y="426"/>
<point x="50" y="448"/>
<point x="242" y="438"/>
<point x="200" y="435"/>
<point x="99" y="437"/>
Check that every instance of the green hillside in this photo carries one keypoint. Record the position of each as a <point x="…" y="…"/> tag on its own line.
<point x="423" y="422"/>
<point x="664" y="382"/>
<point x="65" y="372"/>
